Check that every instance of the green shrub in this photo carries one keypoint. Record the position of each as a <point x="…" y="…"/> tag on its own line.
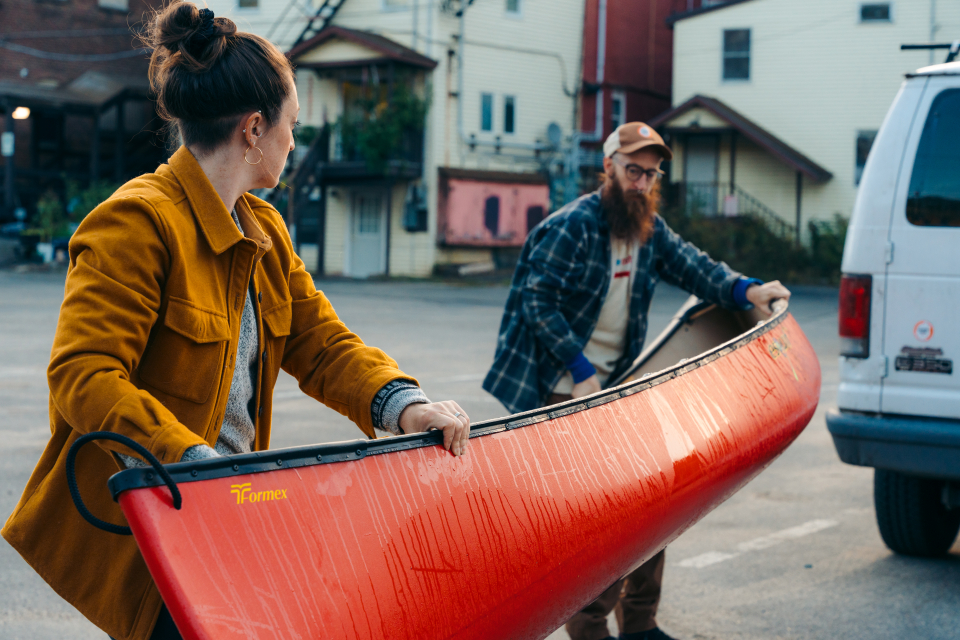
<point x="51" y="220"/>
<point x="826" y="246"/>
<point x="306" y="134"/>
<point x="748" y="245"/>
<point x="80" y="202"/>
<point x="376" y="129"/>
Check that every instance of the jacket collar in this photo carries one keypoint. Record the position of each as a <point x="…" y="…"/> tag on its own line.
<point x="211" y="214"/>
<point x="251" y="227"/>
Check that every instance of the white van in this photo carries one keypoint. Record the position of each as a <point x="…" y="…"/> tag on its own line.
<point x="899" y="395"/>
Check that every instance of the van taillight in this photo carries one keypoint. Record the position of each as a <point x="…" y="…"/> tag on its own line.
<point x="855" y="316"/>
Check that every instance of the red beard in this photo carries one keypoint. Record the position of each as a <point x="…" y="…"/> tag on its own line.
<point x="630" y="214"/>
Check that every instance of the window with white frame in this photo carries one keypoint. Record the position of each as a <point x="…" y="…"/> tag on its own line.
<point x="876" y="12"/>
<point x="864" y="143"/>
<point x="513" y="6"/>
<point x="486" y="112"/>
<point x="618" y="109"/>
<point x="509" y="114"/>
<point x="736" y="54"/>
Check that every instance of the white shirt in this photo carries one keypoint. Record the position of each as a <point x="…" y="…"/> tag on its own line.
<point x="608" y="340"/>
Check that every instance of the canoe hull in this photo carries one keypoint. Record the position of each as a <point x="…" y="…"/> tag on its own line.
<point x="545" y="511"/>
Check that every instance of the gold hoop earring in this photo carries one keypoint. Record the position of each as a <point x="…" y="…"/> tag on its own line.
<point x="248" y="151"/>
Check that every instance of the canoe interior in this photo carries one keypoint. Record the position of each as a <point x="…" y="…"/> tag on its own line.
<point x="696" y="328"/>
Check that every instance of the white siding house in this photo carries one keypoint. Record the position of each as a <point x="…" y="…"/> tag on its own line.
<point x="815" y="77"/>
<point x="498" y="77"/>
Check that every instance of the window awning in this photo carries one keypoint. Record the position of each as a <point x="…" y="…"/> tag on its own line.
<point x="717" y="117"/>
<point x="339" y="47"/>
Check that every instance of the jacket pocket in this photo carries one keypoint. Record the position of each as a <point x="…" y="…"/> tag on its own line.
<point x="185" y="354"/>
<point x="278" y="318"/>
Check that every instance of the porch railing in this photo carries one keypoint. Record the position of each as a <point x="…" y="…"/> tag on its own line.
<point x="718" y="199"/>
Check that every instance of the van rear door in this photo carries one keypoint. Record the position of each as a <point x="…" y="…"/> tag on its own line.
<point x="921" y="336"/>
<point x="866" y="248"/>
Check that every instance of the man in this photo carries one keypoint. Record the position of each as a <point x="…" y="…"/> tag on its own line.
<point x="576" y="317"/>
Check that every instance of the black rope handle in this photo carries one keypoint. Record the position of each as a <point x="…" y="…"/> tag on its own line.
<point x="124" y="440"/>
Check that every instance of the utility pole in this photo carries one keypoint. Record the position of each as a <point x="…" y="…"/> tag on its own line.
<point x="9" y="200"/>
<point x="571" y="166"/>
<point x="933" y="26"/>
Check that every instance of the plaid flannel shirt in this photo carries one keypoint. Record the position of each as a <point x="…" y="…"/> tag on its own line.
<point x="559" y="287"/>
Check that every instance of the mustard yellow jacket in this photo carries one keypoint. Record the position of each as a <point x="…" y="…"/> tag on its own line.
<point x="145" y="347"/>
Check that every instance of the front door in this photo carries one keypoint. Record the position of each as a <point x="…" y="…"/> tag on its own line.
<point x="700" y="173"/>
<point x="368" y="234"/>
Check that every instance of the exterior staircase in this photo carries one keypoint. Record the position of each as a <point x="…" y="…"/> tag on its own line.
<point x="320" y="20"/>
<point x="719" y="199"/>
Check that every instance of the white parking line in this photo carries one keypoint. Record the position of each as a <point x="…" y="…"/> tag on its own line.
<point x="22" y="372"/>
<point x="463" y="377"/>
<point x="707" y="559"/>
<point x="763" y="542"/>
<point x="467" y="377"/>
<point x="290" y="395"/>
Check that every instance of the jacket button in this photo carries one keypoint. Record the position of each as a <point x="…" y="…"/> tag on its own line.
<point x="264" y="354"/>
<point x="260" y="297"/>
<point x="260" y="411"/>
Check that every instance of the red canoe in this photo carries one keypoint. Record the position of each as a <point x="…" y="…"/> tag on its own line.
<point x="396" y="538"/>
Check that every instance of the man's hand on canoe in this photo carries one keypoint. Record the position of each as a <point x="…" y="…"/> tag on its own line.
<point x="444" y="416"/>
<point x="586" y="387"/>
<point x="762" y="295"/>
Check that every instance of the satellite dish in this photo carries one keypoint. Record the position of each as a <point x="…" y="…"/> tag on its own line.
<point x="554" y="134"/>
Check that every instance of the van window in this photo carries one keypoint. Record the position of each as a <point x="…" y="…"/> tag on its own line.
<point x="864" y="143"/>
<point x="934" y="198"/>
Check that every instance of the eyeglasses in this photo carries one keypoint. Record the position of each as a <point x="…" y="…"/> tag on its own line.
<point x="634" y="171"/>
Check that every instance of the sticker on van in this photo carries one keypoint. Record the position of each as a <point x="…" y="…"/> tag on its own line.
<point x="925" y="360"/>
<point x="923" y="331"/>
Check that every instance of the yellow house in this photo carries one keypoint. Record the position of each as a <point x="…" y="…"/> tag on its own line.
<point x="500" y="82"/>
<point x="776" y="102"/>
<point x="725" y="164"/>
<point x="352" y="216"/>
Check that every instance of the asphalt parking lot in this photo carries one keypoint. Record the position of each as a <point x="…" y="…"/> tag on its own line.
<point x="795" y="554"/>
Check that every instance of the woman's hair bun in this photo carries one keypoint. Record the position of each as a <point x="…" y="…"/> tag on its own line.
<point x="192" y="37"/>
<point x="205" y="74"/>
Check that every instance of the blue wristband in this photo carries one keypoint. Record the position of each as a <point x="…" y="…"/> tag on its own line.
<point x="740" y="292"/>
<point x="580" y="368"/>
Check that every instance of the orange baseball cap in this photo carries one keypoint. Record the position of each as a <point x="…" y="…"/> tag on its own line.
<point x="634" y="136"/>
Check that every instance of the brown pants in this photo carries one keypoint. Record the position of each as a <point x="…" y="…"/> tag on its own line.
<point x="635" y="598"/>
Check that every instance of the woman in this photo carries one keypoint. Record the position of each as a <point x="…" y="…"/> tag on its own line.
<point x="183" y="300"/>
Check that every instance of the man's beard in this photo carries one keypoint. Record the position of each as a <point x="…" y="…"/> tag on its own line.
<point x="630" y="214"/>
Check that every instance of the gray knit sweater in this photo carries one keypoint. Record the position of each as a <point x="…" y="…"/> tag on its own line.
<point x="238" y="431"/>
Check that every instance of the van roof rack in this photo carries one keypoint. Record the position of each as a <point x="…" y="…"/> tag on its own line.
<point x="954" y="48"/>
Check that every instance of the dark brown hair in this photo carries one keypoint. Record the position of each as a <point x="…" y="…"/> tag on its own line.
<point x="206" y="74"/>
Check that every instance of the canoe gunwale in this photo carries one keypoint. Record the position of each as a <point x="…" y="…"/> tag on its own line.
<point x="309" y="455"/>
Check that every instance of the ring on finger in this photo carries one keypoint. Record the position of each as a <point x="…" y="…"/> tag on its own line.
<point x="457" y="414"/>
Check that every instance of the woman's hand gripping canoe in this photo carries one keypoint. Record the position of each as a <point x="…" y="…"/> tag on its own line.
<point x="445" y="416"/>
